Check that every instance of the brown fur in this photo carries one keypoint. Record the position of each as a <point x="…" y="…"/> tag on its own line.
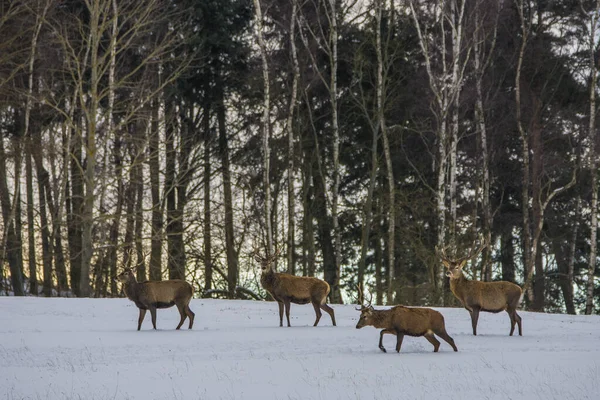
<point x="152" y="295"/>
<point x="411" y="321"/>
<point x="286" y="289"/>
<point x="479" y="296"/>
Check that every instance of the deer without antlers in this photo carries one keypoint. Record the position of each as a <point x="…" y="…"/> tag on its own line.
<point x="479" y="296"/>
<point x="401" y="321"/>
<point x="286" y="289"/>
<point x="152" y="295"/>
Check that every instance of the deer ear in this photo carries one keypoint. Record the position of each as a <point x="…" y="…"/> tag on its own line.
<point x="257" y="258"/>
<point x="446" y="263"/>
<point x="462" y="264"/>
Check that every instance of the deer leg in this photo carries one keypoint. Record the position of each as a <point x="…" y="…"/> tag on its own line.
<point x="329" y="311"/>
<point x="513" y="320"/>
<point x="182" y="314"/>
<point x="287" y="311"/>
<point x="190" y="314"/>
<point x="518" y="318"/>
<point x="383" y="332"/>
<point x="474" y="318"/>
<point x="317" y="312"/>
<point x="153" y="314"/>
<point x="280" y="304"/>
<point x="444" y="335"/>
<point x="399" y="338"/>
<point x="433" y="341"/>
<point x="141" y="318"/>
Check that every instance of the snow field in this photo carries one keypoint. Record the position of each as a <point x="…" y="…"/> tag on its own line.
<point x="62" y="348"/>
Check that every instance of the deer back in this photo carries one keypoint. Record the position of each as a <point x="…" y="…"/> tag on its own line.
<point x="299" y="288"/>
<point x="416" y="321"/>
<point x="489" y="296"/>
<point x="171" y="291"/>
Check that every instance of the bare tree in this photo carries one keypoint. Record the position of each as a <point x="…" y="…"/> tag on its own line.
<point x="445" y="81"/>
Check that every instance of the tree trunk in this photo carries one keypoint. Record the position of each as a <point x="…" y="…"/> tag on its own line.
<point x="365" y="238"/>
<point x="308" y="237"/>
<point x="172" y="227"/>
<point x="589" y="303"/>
<point x="42" y="180"/>
<point x="33" y="279"/>
<point x="526" y="231"/>
<point x="456" y="25"/>
<point x="11" y="245"/>
<point x="265" y="126"/>
<point x="325" y="227"/>
<point x="567" y="277"/>
<point x="480" y="63"/>
<point x="291" y="257"/>
<point x="232" y="257"/>
<point x="208" y="269"/>
<point x="536" y="193"/>
<point x="388" y="161"/>
<point x="139" y="210"/>
<point x="157" y="214"/>
<point x="379" y="278"/>
<point x="336" y="296"/>
<point x="74" y="205"/>
<point x="507" y="255"/>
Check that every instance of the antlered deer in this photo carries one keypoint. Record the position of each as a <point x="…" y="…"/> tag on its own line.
<point x="151" y="295"/>
<point x="482" y="296"/>
<point x="411" y="321"/>
<point x="286" y="289"/>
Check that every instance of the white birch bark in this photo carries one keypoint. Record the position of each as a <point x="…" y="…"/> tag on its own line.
<point x="337" y="237"/>
<point x="290" y="120"/>
<point x="528" y="257"/>
<point x="265" y="122"/>
<point x="589" y="303"/>
<point x="388" y="158"/>
<point x="481" y="61"/>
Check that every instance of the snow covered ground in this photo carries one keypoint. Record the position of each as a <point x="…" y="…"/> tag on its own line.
<point x="90" y="349"/>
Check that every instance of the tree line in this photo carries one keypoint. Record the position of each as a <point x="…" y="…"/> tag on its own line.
<point x="177" y="136"/>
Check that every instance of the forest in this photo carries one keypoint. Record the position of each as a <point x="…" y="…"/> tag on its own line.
<point x="355" y="138"/>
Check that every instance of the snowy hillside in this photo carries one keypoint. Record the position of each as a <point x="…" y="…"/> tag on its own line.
<point x="90" y="349"/>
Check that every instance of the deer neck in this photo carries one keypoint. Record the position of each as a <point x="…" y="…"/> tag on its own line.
<point x="131" y="289"/>
<point x="381" y="318"/>
<point x="459" y="285"/>
<point x="267" y="279"/>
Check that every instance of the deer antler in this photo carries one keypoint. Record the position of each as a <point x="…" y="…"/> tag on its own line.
<point x="360" y="294"/>
<point x="472" y="253"/>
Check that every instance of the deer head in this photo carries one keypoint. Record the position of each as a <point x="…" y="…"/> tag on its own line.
<point x="455" y="266"/>
<point x="266" y="263"/>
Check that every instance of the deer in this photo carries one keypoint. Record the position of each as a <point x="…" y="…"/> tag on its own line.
<point x="153" y="295"/>
<point x="400" y="321"/>
<point x="286" y="289"/>
<point x="478" y="296"/>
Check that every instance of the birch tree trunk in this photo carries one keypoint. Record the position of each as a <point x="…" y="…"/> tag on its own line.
<point x="208" y="269"/>
<point x="266" y="125"/>
<point x="481" y="61"/>
<point x="568" y="286"/>
<point x="157" y="212"/>
<point x="337" y="237"/>
<point x="90" y="143"/>
<point x="291" y="175"/>
<point x="441" y="102"/>
<point x="589" y="303"/>
<point x="388" y="157"/>
<point x="231" y="253"/>
<point x="526" y="231"/>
